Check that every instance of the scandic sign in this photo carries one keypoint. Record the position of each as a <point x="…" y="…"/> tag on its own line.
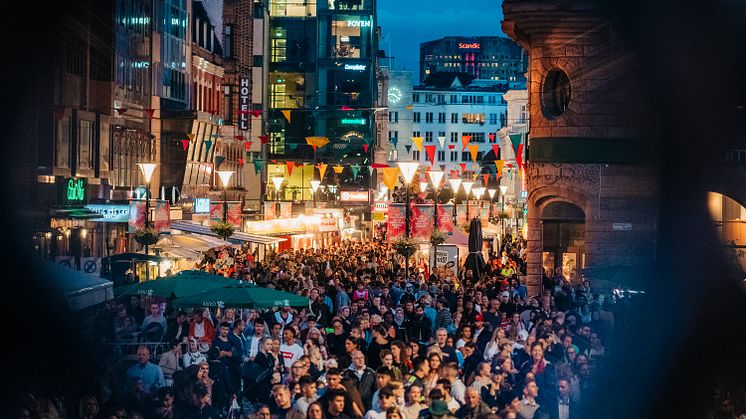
<point x="474" y="45"/>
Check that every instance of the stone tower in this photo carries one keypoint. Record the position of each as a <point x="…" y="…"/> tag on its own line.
<point x="591" y="179"/>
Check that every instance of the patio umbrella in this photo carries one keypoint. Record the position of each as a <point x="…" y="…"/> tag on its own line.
<point x="475" y="260"/>
<point x="241" y="295"/>
<point x="179" y="285"/>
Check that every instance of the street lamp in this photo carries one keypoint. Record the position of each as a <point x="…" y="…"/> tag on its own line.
<point x="455" y="184"/>
<point x="436" y="176"/>
<point x="277" y="181"/>
<point x="503" y="190"/>
<point x="408" y="170"/>
<point x="147" y="170"/>
<point x="492" y="192"/>
<point x="314" y="187"/>
<point x="478" y="194"/>
<point x="467" y="187"/>
<point x="225" y="178"/>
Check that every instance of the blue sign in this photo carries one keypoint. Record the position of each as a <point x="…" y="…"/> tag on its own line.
<point x="201" y="205"/>
<point x="110" y="213"/>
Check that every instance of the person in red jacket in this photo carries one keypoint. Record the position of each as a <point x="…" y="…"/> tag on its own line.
<point x="202" y="329"/>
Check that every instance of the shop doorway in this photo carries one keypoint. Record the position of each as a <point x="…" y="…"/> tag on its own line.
<point x="563" y="239"/>
<point x="729" y="219"/>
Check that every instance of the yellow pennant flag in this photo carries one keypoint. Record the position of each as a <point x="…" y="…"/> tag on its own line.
<point x="390" y="177"/>
<point x="499" y="164"/>
<point x="338" y="169"/>
<point x="322" y="170"/>
<point x="286" y="114"/>
<point x="417" y="142"/>
<point x="473" y="149"/>
<point x="317" y="141"/>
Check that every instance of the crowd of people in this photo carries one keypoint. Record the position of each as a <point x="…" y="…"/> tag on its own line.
<point x="371" y="343"/>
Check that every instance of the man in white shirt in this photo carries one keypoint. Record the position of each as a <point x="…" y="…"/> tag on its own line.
<point x="386" y="400"/>
<point x="290" y="350"/>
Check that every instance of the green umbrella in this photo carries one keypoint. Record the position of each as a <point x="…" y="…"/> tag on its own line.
<point x="242" y="295"/>
<point x="179" y="285"/>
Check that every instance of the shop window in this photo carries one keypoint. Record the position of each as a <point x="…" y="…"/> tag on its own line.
<point x="473" y="118"/>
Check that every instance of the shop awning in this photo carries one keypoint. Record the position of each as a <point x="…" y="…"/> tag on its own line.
<point x="80" y="289"/>
<point x="240" y="236"/>
<point x="74" y="213"/>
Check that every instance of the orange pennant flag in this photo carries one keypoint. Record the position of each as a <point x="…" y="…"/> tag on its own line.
<point x="485" y="178"/>
<point x="473" y="150"/>
<point x="499" y="164"/>
<point x="418" y="143"/>
<point x="317" y="141"/>
<point x="191" y="137"/>
<point x="286" y="114"/>
<point x="465" y="140"/>
<point x="390" y="177"/>
<point x="322" y="170"/>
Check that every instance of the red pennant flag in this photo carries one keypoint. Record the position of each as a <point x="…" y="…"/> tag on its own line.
<point x="492" y="137"/>
<point x="247" y="144"/>
<point x="463" y="166"/>
<point x="256" y="113"/>
<point x="240" y="162"/>
<point x="345" y="108"/>
<point x="291" y="166"/>
<point x="274" y="161"/>
<point x="485" y="178"/>
<point x="519" y="156"/>
<point x="150" y="112"/>
<point x="496" y="150"/>
<point x="314" y="148"/>
<point x="121" y="111"/>
<point x="241" y="112"/>
<point x="454" y="173"/>
<point x="430" y="150"/>
<point x="239" y="137"/>
<point x="185" y="144"/>
<point x="59" y="113"/>
<point x="264" y="139"/>
<point x="365" y="147"/>
<point x="451" y="146"/>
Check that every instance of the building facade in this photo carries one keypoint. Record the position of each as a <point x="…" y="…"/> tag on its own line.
<point x="591" y="191"/>
<point x="484" y="57"/>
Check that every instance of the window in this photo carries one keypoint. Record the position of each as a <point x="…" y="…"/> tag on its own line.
<point x="476" y="137"/>
<point x="428" y="117"/>
<point x="454" y="137"/>
<point x="441" y="117"/>
<point x="85" y="144"/>
<point x="479" y="99"/>
<point x="441" y="134"/>
<point x="429" y="98"/>
<point x="393" y="134"/>
<point x="522" y="117"/>
<point x="491" y="100"/>
<point x="454" y="118"/>
<point x="465" y="156"/>
<point x="493" y="119"/>
<point x="441" y="98"/>
<point x="415" y="133"/>
<point x="428" y="137"/>
<point x="454" y="155"/>
<point x="473" y="118"/>
<point x="454" y="98"/>
<point x="441" y="156"/>
<point x="415" y="154"/>
<point x="416" y="119"/>
<point x="416" y="98"/>
<point x="394" y="117"/>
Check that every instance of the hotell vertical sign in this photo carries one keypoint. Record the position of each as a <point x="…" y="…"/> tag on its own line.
<point x="243" y="103"/>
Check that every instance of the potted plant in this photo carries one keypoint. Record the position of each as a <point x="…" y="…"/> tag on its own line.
<point x="406" y="246"/>
<point x="223" y="229"/>
<point x="146" y="236"/>
<point x="438" y="237"/>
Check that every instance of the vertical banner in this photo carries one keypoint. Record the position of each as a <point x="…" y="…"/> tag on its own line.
<point x="234" y="214"/>
<point x="162" y="218"/>
<point x="216" y="212"/>
<point x="422" y="221"/>
<point x="461" y="214"/>
<point x="286" y="210"/>
<point x="445" y="218"/>
<point x="396" y="224"/>
<point x="137" y="215"/>
<point x="485" y="214"/>
<point x="270" y="212"/>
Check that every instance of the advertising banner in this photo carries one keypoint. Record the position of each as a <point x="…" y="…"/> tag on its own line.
<point x="110" y="213"/>
<point x="270" y="212"/>
<point x="328" y="224"/>
<point x="396" y="225"/>
<point x="286" y="210"/>
<point x="216" y="212"/>
<point x="136" y="218"/>
<point x="461" y="214"/>
<point x="446" y="259"/>
<point x="162" y="216"/>
<point x="235" y="214"/>
<point x="445" y="218"/>
<point x="422" y="221"/>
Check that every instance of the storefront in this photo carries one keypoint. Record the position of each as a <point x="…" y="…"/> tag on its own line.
<point x="306" y="231"/>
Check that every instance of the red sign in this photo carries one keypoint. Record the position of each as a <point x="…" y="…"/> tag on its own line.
<point x="473" y="45"/>
<point x="353" y="196"/>
<point x="328" y="224"/>
<point x="422" y="221"/>
<point x="445" y="218"/>
<point x="396" y="225"/>
<point x="216" y="212"/>
<point x="137" y="215"/>
<point x="162" y="218"/>
<point x="235" y="214"/>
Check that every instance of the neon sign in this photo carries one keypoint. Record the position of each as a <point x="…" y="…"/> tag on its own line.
<point x="75" y="191"/>
<point x="355" y="67"/>
<point x="474" y="45"/>
<point x="359" y="23"/>
<point x="353" y="121"/>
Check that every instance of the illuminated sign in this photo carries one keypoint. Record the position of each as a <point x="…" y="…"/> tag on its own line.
<point x="72" y="191"/>
<point x="473" y="45"/>
<point x="110" y="213"/>
<point x="201" y="205"/>
<point x="356" y="67"/>
<point x="359" y="23"/>
<point x="353" y="121"/>
<point x="353" y="196"/>
<point x="244" y="93"/>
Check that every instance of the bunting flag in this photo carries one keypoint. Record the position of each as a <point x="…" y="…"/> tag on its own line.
<point x="365" y="147"/>
<point x="264" y="139"/>
<point x="519" y="157"/>
<point x="408" y="148"/>
<point x="454" y="173"/>
<point x="256" y="113"/>
<point x="492" y="137"/>
<point x="430" y="150"/>
<point x="240" y="162"/>
<point x="258" y="164"/>
<point x="473" y="149"/>
<point x="338" y="169"/>
<point x="208" y="144"/>
<point x="485" y="179"/>
<point x="379" y="165"/>
<point x="390" y="177"/>
<point x="417" y="141"/>
<point x="515" y="140"/>
<point x="496" y="150"/>
<point x="290" y="166"/>
<point x="191" y="136"/>
<point x="239" y="137"/>
<point x="442" y="142"/>
<point x="150" y="113"/>
<point x="355" y="168"/>
<point x="218" y="161"/>
<point x="451" y="146"/>
<point x="185" y="144"/>
<point x="286" y="114"/>
<point x="499" y="165"/>
<point x="292" y="146"/>
<point x="463" y="166"/>
<point x="121" y="111"/>
<point x="247" y="144"/>
<point x="322" y="170"/>
<point x="465" y="140"/>
<point x="317" y="141"/>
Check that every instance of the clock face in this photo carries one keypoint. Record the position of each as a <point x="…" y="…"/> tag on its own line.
<point x="395" y="95"/>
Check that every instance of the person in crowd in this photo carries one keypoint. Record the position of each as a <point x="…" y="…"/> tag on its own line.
<point x="474" y="407"/>
<point x="528" y="405"/>
<point x="170" y="362"/>
<point x="150" y="374"/>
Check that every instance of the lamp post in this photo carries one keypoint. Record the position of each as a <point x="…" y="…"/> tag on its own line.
<point x="436" y="176"/>
<point x="277" y="181"/>
<point x="314" y="187"/>
<point x="147" y="170"/>
<point x="478" y="194"/>
<point x="467" y="187"/>
<point x="225" y="178"/>
<point x="408" y="170"/>
<point x="503" y="190"/>
<point x="491" y="192"/>
<point x="455" y="184"/>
